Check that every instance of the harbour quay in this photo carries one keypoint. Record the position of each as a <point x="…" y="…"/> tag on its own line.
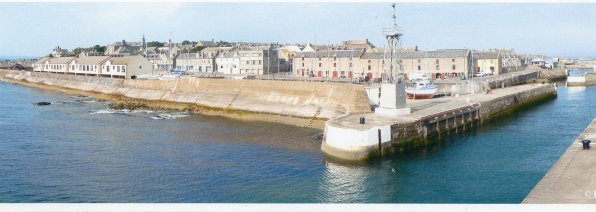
<point x="359" y="137"/>
<point x="571" y="180"/>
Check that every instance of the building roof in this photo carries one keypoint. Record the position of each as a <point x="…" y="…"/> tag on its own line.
<point x="206" y="43"/>
<point x="331" y="53"/>
<point x="92" y="60"/>
<point x="486" y="55"/>
<point x="123" y="60"/>
<point x="60" y="60"/>
<point x="42" y="60"/>
<point x="439" y="53"/>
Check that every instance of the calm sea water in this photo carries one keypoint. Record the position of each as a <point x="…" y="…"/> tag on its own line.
<point x="76" y="150"/>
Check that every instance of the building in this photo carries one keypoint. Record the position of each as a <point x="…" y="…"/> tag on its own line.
<point x="126" y="48"/>
<point x="357" y="44"/>
<point x="228" y="62"/>
<point x="488" y="62"/>
<point x="258" y="60"/>
<point x="128" y="67"/>
<point x="40" y="64"/>
<point x="202" y="62"/>
<point x="60" y="52"/>
<point x="327" y="63"/>
<point x="206" y="43"/>
<point x="370" y="63"/>
<point x="90" y="65"/>
<point x="57" y="64"/>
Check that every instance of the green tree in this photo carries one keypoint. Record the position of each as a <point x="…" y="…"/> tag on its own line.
<point x="185" y="42"/>
<point x="197" y="49"/>
<point x="155" y="44"/>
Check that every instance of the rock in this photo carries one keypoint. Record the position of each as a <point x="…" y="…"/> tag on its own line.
<point x="43" y="103"/>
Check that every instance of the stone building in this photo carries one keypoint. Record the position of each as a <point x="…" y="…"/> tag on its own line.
<point x="488" y="62"/>
<point x="258" y="60"/>
<point x="443" y="63"/>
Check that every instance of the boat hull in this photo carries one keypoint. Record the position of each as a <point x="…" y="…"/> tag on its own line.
<point x="421" y="94"/>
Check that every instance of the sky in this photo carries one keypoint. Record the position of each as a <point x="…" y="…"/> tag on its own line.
<point x="554" y="29"/>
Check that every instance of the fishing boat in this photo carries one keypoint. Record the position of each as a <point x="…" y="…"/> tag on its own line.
<point x="422" y="88"/>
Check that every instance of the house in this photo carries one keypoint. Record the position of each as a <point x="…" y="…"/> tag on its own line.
<point x="537" y="62"/>
<point x="40" y="64"/>
<point x="90" y="65"/>
<point x="128" y="67"/>
<point x="488" y="62"/>
<point x="203" y="61"/>
<point x="57" y="64"/>
<point x="60" y="52"/>
<point x="228" y="62"/>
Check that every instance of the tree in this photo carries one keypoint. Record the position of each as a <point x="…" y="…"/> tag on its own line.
<point x="185" y="42"/>
<point x="155" y="44"/>
<point x="197" y="49"/>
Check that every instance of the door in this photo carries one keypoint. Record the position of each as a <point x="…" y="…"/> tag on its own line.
<point x="350" y="74"/>
<point x="334" y="74"/>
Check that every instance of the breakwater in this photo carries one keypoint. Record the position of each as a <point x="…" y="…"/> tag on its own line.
<point x="571" y="180"/>
<point x="309" y="101"/>
<point x="348" y="139"/>
<point x="583" y="80"/>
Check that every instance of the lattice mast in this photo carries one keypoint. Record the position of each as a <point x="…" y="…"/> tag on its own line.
<point x="392" y="68"/>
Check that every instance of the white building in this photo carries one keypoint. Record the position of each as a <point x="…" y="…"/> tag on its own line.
<point x="57" y="64"/>
<point x="39" y="64"/>
<point x="228" y="62"/>
<point x="126" y="67"/>
<point x="90" y="65"/>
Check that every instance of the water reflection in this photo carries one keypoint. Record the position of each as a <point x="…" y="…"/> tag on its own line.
<point x="342" y="183"/>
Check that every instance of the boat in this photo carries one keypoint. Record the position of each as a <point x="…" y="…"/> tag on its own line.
<point x="422" y="88"/>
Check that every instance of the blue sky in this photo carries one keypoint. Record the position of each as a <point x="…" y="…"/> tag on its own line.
<point x="34" y="29"/>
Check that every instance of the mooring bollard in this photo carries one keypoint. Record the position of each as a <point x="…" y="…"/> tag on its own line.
<point x="586" y="144"/>
<point x="362" y="120"/>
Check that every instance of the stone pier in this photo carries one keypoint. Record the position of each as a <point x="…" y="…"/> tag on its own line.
<point x="346" y="138"/>
<point x="572" y="180"/>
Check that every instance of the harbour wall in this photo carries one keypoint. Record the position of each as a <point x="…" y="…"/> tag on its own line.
<point x="355" y="142"/>
<point x="311" y="100"/>
<point x="585" y="80"/>
<point x="571" y="180"/>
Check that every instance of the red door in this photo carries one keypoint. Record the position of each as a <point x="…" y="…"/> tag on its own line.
<point x="369" y="75"/>
<point x="302" y="72"/>
<point x="334" y="74"/>
<point x="320" y="74"/>
<point x="350" y="74"/>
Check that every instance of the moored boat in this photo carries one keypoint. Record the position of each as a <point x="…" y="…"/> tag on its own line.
<point x="422" y="88"/>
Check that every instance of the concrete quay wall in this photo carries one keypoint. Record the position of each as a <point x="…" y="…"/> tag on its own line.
<point x="353" y="142"/>
<point x="290" y="98"/>
<point x="585" y="80"/>
<point x="572" y="180"/>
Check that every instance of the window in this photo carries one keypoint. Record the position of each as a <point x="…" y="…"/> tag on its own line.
<point x="418" y="67"/>
<point x="350" y="65"/>
<point x="453" y="60"/>
<point x="437" y="61"/>
<point x="418" y="60"/>
<point x="302" y="64"/>
<point x="369" y="62"/>
<point x="334" y="58"/>
<point x="319" y="58"/>
<point x="124" y="68"/>
<point x="334" y="65"/>
<point x="118" y="69"/>
<point x="453" y="67"/>
<point x="319" y="65"/>
<point x="302" y="58"/>
<point x="437" y="67"/>
<point x="369" y="67"/>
